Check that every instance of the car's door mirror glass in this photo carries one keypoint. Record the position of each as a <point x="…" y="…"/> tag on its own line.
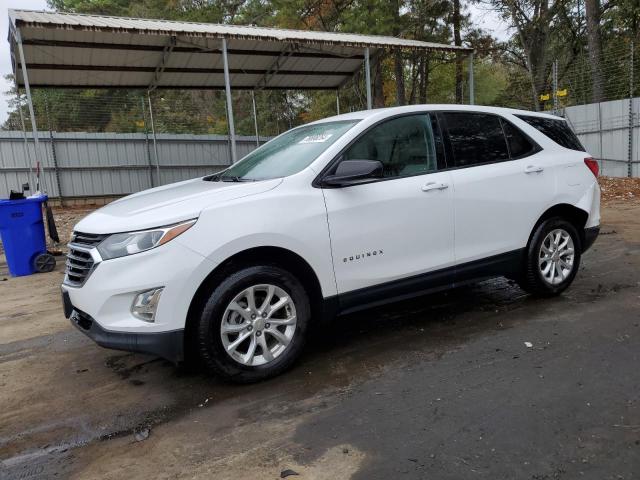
<point x="351" y="172"/>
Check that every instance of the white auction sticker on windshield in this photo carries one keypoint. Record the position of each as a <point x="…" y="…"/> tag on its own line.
<point x="319" y="138"/>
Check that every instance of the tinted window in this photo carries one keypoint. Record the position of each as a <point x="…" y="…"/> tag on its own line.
<point x="475" y="138"/>
<point x="405" y="146"/>
<point x="556" y="130"/>
<point x="519" y="144"/>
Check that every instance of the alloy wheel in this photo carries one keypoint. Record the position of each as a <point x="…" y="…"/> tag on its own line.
<point x="258" y="325"/>
<point x="556" y="256"/>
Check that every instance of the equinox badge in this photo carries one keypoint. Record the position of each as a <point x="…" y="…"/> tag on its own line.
<point x="361" y="256"/>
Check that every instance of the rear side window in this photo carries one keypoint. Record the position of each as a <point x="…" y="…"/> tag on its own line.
<point x="475" y="138"/>
<point x="556" y="130"/>
<point x="519" y="144"/>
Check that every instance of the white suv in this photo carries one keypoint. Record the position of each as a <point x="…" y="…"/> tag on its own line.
<point x="331" y="217"/>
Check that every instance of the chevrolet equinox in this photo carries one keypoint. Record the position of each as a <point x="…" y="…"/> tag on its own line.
<point x="328" y="218"/>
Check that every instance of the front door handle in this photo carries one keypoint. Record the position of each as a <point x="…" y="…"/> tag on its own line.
<point x="533" y="169"/>
<point x="434" y="186"/>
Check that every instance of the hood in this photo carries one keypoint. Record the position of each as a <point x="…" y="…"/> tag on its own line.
<point x="167" y="204"/>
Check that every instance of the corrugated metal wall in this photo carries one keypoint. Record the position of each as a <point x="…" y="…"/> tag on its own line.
<point x="100" y="164"/>
<point x="605" y="130"/>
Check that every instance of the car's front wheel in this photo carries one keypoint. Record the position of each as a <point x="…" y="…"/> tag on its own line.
<point x="254" y="324"/>
<point x="553" y="258"/>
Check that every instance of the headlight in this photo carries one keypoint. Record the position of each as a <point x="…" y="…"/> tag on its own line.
<point x="122" y="244"/>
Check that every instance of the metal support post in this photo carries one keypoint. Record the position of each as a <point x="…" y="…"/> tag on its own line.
<point x="630" y="146"/>
<point x="338" y="102"/>
<point x="472" y="89"/>
<point x="155" y="139"/>
<point x="25" y="78"/>
<point x="227" y="89"/>
<point x="555" y="87"/>
<point x="367" y="75"/>
<point x="146" y="142"/>
<point x="27" y="150"/>
<point x="255" y="116"/>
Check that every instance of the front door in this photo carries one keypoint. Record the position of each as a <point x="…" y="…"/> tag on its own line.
<point x="391" y="232"/>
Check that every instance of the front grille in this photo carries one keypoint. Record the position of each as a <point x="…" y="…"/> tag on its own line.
<point x="79" y="260"/>
<point x="79" y="265"/>
<point x="87" y="239"/>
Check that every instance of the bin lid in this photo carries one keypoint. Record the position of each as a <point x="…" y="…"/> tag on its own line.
<point x="33" y="198"/>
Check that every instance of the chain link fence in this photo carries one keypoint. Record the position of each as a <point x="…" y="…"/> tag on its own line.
<point x="111" y="141"/>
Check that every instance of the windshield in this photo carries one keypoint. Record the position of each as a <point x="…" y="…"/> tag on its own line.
<point x="287" y="154"/>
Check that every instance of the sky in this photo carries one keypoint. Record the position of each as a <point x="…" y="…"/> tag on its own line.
<point x="480" y="16"/>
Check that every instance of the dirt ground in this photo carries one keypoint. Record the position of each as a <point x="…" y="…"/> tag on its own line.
<point x="442" y="386"/>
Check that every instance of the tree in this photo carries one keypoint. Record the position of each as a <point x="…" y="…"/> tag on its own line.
<point x="593" y="12"/>
<point x="457" y="40"/>
<point x="535" y="22"/>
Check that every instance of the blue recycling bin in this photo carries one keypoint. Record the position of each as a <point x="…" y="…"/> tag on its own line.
<point x="22" y="232"/>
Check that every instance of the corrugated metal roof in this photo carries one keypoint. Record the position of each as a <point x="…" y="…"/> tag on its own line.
<point x="75" y="50"/>
<point x="170" y="27"/>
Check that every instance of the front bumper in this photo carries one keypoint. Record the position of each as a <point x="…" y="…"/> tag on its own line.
<point x="101" y="306"/>
<point x="168" y="345"/>
<point x="109" y="291"/>
<point x="590" y="235"/>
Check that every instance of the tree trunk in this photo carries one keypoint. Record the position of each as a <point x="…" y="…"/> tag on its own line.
<point x="378" y="81"/>
<point x="593" y="13"/>
<point x="398" y="63"/>
<point x="424" y="79"/>
<point x="399" y="72"/>
<point x="457" y="40"/>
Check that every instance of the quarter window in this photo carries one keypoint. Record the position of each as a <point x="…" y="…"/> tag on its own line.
<point x="475" y="138"/>
<point x="557" y="130"/>
<point x="519" y="144"/>
<point x="405" y="146"/>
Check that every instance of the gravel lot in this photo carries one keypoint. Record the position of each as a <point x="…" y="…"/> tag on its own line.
<point x="442" y="386"/>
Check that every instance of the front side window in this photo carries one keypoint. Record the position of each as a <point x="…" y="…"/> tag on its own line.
<point x="287" y="154"/>
<point x="475" y="138"/>
<point x="557" y="130"/>
<point x="405" y="146"/>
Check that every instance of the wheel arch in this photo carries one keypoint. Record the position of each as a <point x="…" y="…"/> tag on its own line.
<point x="270" y="255"/>
<point x="577" y="216"/>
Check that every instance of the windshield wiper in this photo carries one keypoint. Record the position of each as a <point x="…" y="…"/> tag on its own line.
<point x="235" y="178"/>
<point x="217" y="177"/>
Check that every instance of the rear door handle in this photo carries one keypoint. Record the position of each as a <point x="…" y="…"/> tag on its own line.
<point x="434" y="186"/>
<point x="533" y="169"/>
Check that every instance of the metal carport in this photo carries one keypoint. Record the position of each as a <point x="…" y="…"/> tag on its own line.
<point x="67" y="50"/>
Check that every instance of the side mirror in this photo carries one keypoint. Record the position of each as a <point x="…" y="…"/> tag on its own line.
<point x="352" y="172"/>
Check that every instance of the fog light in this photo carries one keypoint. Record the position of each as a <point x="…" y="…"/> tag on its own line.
<point x="145" y="304"/>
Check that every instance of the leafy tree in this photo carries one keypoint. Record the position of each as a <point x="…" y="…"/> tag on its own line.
<point x="590" y="41"/>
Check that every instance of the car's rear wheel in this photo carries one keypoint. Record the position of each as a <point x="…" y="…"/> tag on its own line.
<point x="254" y="324"/>
<point x="553" y="258"/>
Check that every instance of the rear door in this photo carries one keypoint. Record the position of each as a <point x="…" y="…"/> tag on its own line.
<point x="502" y="181"/>
<point x="399" y="226"/>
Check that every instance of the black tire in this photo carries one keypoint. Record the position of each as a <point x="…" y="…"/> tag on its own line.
<point x="532" y="279"/>
<point x="210" y="347"/>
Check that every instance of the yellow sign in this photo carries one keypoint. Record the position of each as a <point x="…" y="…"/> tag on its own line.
<point x="139" y="123"/>
<point x="545" y="96"/>
<point x="562" y="93"/>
